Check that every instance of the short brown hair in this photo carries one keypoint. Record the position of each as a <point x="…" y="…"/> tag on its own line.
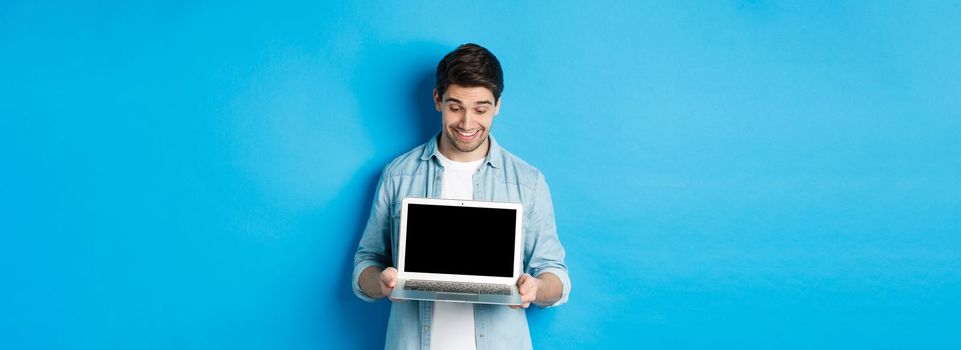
<point x="470" y="65"/>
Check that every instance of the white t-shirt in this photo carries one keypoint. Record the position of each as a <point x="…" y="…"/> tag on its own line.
<point x="453" y="324"/>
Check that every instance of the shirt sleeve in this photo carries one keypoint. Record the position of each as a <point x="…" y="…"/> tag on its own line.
<point x="375" y="243"/>
<point x="548" y="253"/>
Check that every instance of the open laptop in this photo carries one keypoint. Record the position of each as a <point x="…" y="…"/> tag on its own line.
<point x="459" y="251"/>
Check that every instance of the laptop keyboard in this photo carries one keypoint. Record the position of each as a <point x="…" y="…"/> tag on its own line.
<point x="458" y="287"/>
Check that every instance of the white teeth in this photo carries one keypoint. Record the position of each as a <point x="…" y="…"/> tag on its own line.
<point x="467" y="134"/>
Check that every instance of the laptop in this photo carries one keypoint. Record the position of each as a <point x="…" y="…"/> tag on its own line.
<point x="459" y="251"/>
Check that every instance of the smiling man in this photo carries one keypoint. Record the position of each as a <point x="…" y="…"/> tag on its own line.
<point x="463" y="162"/>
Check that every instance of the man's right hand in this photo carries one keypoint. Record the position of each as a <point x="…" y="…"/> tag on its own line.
<point x="388" y="280"/>
<point x="377" y="283"/>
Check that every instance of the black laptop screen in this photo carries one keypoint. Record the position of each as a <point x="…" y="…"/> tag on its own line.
<point x="460" y="240"/>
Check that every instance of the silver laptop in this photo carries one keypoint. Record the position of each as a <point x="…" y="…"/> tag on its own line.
<point x="459" y="251"/>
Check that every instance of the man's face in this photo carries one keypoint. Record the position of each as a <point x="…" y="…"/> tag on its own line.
<point x="467" y="114"/>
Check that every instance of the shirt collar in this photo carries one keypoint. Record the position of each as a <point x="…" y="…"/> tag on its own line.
<point x="494" y="156"/>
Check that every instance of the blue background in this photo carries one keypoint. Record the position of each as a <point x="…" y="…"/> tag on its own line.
<point x="726" y="174"/>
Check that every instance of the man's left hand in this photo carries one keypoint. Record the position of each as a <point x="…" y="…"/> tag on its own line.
<point x="527" y="285"/>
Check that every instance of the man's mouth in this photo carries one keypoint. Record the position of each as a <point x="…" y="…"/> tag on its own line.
<point x="467" y="134"/>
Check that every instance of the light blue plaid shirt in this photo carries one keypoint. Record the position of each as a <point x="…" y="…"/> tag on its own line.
<point x="503" y="178"/>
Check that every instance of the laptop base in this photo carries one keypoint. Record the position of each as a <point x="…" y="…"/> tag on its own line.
<point x="400" y="293"/>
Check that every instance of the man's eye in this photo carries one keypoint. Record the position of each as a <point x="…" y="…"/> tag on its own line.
<point x="480" y="111"/>
<point x="454" y="109"/>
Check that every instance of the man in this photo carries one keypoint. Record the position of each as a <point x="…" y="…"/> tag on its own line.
<point x="463" y="162"/>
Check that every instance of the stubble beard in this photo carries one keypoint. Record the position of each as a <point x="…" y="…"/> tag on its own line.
<point x="466" y="147"/>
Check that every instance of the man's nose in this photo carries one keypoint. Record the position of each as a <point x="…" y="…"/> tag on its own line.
<point x="468" y="121"/>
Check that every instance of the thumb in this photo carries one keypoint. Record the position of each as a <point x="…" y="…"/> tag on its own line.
<point x="389" y="277"/>
<point x="522" y="279"/>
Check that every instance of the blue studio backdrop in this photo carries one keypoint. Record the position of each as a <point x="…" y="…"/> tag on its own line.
<point x="726" y="174"/>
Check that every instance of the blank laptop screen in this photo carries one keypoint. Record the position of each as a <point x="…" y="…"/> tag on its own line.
<point x="460" y="240"/>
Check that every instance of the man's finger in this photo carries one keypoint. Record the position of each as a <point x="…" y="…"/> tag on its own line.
<point x="527" y="285"/>
<point x="389" y="277"/>
<point x="523" y="283"/>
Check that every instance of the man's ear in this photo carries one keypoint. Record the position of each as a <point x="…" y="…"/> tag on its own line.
<point x="497" y="105"/>
<point x="436" y="100"/>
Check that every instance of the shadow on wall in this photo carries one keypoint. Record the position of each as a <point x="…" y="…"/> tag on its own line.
<point x="393" y="86"/>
